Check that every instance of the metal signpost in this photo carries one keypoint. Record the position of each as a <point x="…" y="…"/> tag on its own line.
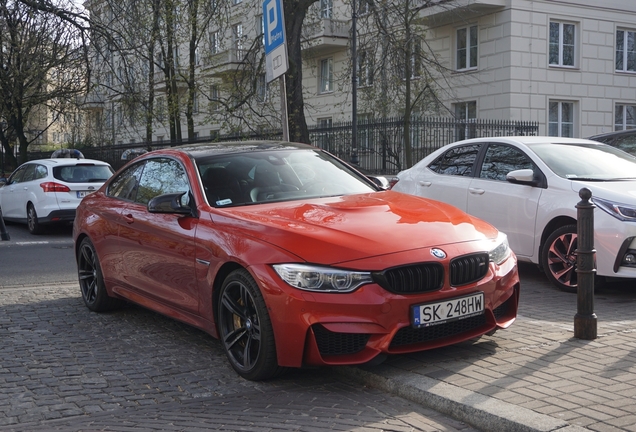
<point x="276" y="62"/>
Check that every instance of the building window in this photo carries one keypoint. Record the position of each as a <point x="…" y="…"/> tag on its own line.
<point x="326" y="76"/>
<point x="323" y="134"/>
<point x="625" y="117"/>
<point x="262" y="90"/>
<point x="214" y="134"/>
<point x="625" y="51"/>
<point x="561" y="119"/>
<point x="215" y="43"/>
<point x="364" y="131"/>
<point x="465" y="113"/>
<point x="237" y="35"/>
<point x="363" y="7"/>
<point x="466" y="110"/>
<point x="160" y="138"/>
<point x="562" y="43"/>
<point x="215" y="96"/>
<point x="415" y="57"/>
<point x="467" y="48"/>
<point x="365" y="69"/>
<point x="326" y="8"/>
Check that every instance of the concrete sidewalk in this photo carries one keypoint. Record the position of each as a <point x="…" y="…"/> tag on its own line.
<point x="534" y="376"/>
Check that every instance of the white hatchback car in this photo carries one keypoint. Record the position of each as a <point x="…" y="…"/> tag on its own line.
<point x="528" y="188"/>
<point x="47" y="191"/>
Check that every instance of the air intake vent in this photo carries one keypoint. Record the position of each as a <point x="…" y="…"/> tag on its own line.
<point x="331" y="343"/>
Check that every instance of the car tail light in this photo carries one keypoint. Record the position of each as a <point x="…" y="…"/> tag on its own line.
<point x="54" y="187"/>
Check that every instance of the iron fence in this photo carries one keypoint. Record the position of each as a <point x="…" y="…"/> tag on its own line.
<point x="380" y="144"/>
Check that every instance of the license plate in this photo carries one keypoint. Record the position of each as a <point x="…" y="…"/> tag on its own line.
<point x="82" y="194"/>
<point x="429" y="314"/>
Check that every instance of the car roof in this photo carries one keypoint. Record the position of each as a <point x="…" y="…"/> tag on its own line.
<point x="613" y="134"/>
<point x="532" y="140"/>
<point x="67" y="161"/>
<point x="212" y="148"/>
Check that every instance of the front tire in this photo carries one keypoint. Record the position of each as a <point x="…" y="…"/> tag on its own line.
<point x="245" y="328"/>
<point x="91" y="280"/>
<point x="33" y="222"/>
<point x="559" y="258"/>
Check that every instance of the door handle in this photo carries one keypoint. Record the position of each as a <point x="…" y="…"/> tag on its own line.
<point x="129" y="218"/>
<point x="424" y="183"/>
<point x="476" y="191"/>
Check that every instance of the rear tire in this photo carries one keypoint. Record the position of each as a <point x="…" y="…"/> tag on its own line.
<point x="245" y="328"/>
<point x="32" y="220"/>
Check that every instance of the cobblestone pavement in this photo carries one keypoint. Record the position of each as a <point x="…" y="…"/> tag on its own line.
<point x="65" y="368"/>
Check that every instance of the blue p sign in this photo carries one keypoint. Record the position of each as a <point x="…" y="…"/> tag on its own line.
<point x="273" y="24"/>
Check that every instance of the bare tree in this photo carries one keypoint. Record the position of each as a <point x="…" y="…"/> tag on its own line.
<point x="41" y="59"/>
<point x="405" y="65"/>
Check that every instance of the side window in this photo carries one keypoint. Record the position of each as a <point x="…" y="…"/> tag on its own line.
<point x="501" y="159"/>
<point x="40" y="172"/>
<point x="457" y="161"/>
<point x="125" y="185"/>
<point x="626" y="143"/>
<point x="16" y="177"/>
<point x="29" y="173"/>
<point x="161" y="176"/>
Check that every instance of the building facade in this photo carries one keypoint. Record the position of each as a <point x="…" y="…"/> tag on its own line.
<point x="568" y="65"/>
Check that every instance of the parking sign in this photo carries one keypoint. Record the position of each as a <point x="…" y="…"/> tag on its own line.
<point x="276" y="62"/>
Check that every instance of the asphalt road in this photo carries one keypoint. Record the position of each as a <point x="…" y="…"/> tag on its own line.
<point x="27" y="259"/>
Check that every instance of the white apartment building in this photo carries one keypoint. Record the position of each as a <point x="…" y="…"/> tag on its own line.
<point x="568" y="65"/>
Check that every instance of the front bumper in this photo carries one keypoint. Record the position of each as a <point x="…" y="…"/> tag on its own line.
<point x="313" y="329"/>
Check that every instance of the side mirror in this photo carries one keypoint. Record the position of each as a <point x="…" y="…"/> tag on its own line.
<point x="522" y="176"/>
<point x="3" y="181"/>
<point x="169" y="203"/>
<point x="380" y="181"/>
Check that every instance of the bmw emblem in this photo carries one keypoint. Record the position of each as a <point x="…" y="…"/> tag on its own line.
<point x="438" y="253"/>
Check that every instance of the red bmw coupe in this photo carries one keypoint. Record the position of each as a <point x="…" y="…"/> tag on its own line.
<point x="290" y="257"/>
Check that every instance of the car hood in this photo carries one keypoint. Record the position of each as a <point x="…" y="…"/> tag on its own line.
<point x="619" y="191"/>
<point x="338" y="229"/>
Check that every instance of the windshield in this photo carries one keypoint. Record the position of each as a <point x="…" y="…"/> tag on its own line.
<point x="587" y="161"/>
<point x="279" y="175"/>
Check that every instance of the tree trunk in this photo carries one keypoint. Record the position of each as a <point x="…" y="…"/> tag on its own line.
<point x="295" y="11"/>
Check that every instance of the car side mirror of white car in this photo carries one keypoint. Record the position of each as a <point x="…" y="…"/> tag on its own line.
<point x="522" y="176"/>
<point x="3" y="181"/>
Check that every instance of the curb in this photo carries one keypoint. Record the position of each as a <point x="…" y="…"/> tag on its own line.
<point x="480" y="411"/>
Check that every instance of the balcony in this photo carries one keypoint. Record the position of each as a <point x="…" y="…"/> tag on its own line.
<point x="227" y="61"/>
<point x="93" y="101"/>
<point x="444" y="12"/>
<point x="326" y="35"/>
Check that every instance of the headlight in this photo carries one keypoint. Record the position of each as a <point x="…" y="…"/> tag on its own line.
<point x="624" y="212"/>
<point x="500" y="252"/>
<point x="321" y="279"/>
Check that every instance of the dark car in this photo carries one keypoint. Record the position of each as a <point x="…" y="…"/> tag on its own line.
<point x="624" y="140"/>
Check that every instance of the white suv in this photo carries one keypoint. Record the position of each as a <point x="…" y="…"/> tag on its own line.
<point x="47" y="191"/>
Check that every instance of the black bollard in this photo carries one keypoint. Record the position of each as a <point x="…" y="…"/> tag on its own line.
<point x="585" y="318"/>
<point x="3" y="229"/>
